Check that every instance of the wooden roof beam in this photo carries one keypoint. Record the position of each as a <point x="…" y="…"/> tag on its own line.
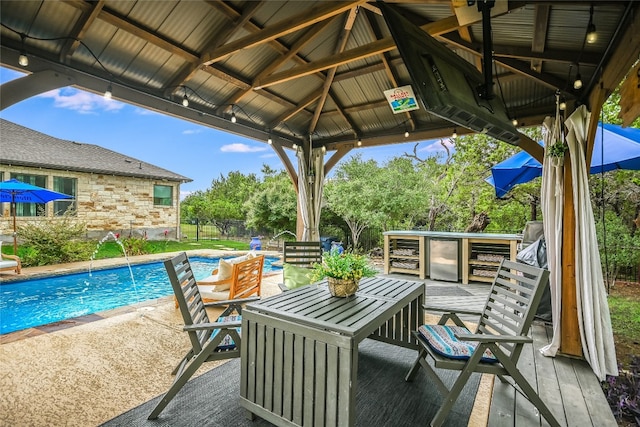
<point x="287" y="26"/>
<point x="539" y="34"/>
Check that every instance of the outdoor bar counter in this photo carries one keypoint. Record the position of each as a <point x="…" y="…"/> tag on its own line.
<point x="465" y="257"/>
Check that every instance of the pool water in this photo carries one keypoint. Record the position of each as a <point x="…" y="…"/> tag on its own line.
<point x="29" y="303"/>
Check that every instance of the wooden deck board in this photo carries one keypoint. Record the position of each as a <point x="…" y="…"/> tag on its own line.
<point x="568" y="386"/>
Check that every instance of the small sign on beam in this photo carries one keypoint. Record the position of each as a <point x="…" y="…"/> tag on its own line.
<point x="401" y="99"/>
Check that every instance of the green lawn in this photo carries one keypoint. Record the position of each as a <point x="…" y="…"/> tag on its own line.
<point x="111" y="249"/>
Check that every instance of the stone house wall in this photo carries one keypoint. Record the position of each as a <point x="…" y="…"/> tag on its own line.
<point x="107" y="203"/>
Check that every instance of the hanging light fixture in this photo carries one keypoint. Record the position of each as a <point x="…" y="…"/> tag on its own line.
<point x="185" y="100"/>
<point x="592" y="35"/>
<point x="109" y="92"/>
<point x="454" y="135"/>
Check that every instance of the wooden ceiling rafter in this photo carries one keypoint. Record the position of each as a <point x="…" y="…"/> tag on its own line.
<point x="84" y="22"/>
<point x="540" y="27"/>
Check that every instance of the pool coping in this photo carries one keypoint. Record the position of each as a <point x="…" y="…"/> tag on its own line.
<point x="76" y="267"/>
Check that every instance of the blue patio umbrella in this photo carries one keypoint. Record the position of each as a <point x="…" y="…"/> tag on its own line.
<point x="14" y="191"/>
<point x="621" y="150"/>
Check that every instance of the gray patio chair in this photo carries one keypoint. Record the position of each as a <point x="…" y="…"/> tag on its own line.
<point x="298" y="259"/>
<point x="496" y="344"/>
<point x="209" y="340"/>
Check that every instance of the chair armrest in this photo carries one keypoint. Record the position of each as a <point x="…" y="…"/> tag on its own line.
<point x="494" y="338"/>
<point x="208" y="326"/>
<point x="231" y="301"/>
<point x="451" y="310"/>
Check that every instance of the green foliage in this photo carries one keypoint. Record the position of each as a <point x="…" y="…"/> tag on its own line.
<point x="273" y="204"/>
<point x="557" y="149"/>
<point x="347" y="265"/>
<point x="135" y="245"/>
<point x="620" y="249"/>
<point x="53" y="241"/>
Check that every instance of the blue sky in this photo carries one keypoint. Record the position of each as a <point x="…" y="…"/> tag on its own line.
<point x="197" y="152"/>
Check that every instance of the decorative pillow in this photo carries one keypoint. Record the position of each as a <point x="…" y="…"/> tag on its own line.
<point x="295" y="276"/>
<point x="225" y="267"/>
<point x="227" y="342"/>
<point x="442" y="340"/>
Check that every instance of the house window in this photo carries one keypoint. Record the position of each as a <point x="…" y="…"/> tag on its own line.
<point x="163" y="195"/>
<point x="31" y="209"/>
<point x="66" y="186"/>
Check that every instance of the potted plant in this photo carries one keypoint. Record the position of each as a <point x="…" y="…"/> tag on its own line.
<point x="556" y="152"/>
<point x="343" y="272"/>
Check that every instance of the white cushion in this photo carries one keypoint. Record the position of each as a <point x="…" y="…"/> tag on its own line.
<point x="208" y="292"/>
<point x="8" y="264"/>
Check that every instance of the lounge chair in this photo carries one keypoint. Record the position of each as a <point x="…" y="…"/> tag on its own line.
<point x="10" y="262"/>
<point x="297" y="260"/>
<point x="209" y="340"/>
<point x="496" y="344"/>
<point x="242" y="278"/>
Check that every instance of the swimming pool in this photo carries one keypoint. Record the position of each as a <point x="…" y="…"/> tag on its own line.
<point x="29" y="303"/>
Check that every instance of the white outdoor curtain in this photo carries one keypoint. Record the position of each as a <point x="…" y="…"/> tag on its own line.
<point x="310" y="192"/>
<point x="551" y="202"/>
<point x="593" y="312"/>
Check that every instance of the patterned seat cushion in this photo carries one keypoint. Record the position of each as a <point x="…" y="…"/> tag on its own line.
<point x="227" y="342"/>
<point x="442" y="340"/>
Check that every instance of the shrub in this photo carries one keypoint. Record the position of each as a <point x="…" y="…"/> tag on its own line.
<point x="136" y="245"/>
<point x="54" y="241"/>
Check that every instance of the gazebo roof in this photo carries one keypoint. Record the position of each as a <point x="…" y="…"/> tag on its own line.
<point x="300" y="70"/>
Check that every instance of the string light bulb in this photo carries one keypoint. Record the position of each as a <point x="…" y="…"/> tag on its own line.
<point x="324" y="149"/>
<point x="359" y="142"/>
<point x="185" y="100"/>
<point x="577" y="84"/>
<point x="294" y="146"/>
<point x="454" y="135"/>
<point x="23" y="59"/>
<point x="406" y="134"/>
<point x="233" y="117"/>
<point x="109" y="92"/>
<point x="592" y="35"/>
<point x="514" y="121"/>
<point x="563" y="105"/>
<point x="269" y="140"/>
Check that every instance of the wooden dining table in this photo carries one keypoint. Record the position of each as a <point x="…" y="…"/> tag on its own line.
<point x="299" y="355"/>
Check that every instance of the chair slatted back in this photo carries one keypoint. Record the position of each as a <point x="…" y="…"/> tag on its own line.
<point x="189" y="300"/>
<point x="512" y="302"/>
<point x="247" y="278"/>
<point x="302" y="254"/>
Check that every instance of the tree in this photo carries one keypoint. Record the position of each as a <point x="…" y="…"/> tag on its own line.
<point x="351" y="195"/>
<point x="225" y="200"/>
<point x="273" y="205"/>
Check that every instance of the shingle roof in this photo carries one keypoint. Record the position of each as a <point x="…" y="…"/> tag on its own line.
<point x="26" y="147"/>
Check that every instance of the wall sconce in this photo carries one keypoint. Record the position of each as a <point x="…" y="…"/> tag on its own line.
<point x="592" y="35"/>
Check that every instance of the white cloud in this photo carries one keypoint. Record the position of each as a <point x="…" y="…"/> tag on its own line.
<point x="241" y="148"/>
<point x="191" y="131"/>
<point x="82" y="102"/>
<point x="436" y="147"/>
<point x="144" y="112"/>
<point x="268" y="156"/>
